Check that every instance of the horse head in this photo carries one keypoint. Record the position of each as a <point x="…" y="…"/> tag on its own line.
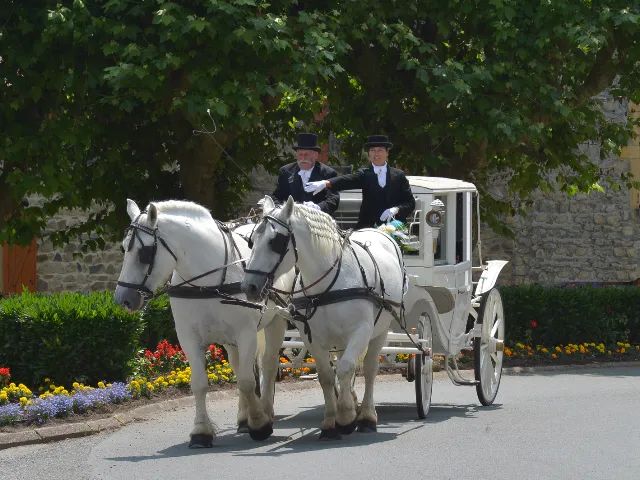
<point x="148" y="260"/>
<point x="271" y="255"/>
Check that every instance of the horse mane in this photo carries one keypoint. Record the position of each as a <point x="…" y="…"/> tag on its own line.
<point x="184" y="209"/>
<point x="323" y="228"/>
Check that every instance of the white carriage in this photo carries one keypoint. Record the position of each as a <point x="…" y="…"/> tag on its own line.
<point x="446" y="311"/>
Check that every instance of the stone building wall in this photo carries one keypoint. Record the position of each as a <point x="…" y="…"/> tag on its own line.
<point x="585" y="238"/>
<point x="63" y="268"/>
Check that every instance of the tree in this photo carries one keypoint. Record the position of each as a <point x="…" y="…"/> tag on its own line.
<point x="100" y="100"/>
<point x="467" y="88"/>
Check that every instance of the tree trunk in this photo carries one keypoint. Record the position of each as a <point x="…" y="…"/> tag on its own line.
<point x="199" y="164"/>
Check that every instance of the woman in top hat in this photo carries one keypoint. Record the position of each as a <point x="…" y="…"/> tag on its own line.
<point x="294" y="176"/>
<point x="386" y="193"/>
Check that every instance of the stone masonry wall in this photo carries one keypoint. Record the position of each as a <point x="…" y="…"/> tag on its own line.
<point x="585" y="238"/>
<point x="61" y="269"/>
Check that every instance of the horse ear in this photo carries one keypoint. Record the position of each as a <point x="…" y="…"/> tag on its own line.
<point x="287" y="210"/>
<point x="267" y="204"/>
<point x="152" y="215"/>
<point x="132" y="209"/>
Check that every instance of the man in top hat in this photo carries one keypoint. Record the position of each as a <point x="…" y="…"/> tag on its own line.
<point x="294" y="176"/>
<point x="386" y="193"/>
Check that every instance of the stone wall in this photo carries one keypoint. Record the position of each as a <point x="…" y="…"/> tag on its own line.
<point x="585" y="238"/>
<point x="65" y="268"/>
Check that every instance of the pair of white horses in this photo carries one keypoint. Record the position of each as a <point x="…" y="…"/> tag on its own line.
<point x="180" y="241"/>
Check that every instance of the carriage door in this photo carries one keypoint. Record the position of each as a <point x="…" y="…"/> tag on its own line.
<point x="462" y="265"/>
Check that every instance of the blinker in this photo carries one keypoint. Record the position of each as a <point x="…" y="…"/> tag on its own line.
<point x="146" y="254"/>
<point x="279" y="243"/>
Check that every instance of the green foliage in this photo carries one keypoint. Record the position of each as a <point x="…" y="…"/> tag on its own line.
<point x="552" y="315"/>
<point x="99" y="100"/>
<point x="67" y="337"/>
<point x="158" y="323"/>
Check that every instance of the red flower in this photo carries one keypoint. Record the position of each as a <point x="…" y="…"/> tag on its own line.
<point x="5" y="372"/>
<point x="533" y="323"/>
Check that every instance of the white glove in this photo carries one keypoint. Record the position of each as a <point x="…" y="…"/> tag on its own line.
<point x="389" y="213"/>
<point x="315" y="187"/>
<point x="312" y="205"/>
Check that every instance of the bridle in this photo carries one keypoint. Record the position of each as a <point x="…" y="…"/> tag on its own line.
<point x="146" y="254"/>
<point x="279" y="244"/>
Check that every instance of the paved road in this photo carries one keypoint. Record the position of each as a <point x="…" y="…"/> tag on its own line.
<point x="553" y="425"/>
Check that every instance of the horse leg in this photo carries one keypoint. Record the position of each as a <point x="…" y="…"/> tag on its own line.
<point x="367" y="417"/>
<point x="260" y="427"/>
<point x="243" y="423"/>
<point x="327" y="379"/>
<point x="203" y="431"/>
<point x="346" y="369"/>
<point x="274" y="334"/>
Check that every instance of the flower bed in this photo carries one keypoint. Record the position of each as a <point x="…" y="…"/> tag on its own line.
<point x="157" y="371"/>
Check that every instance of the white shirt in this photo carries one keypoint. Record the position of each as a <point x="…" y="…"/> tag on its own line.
<point x="381" y="172"/>
<point x="304" y="175"/>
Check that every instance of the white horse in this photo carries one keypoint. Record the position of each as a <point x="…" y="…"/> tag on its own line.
<point x="296" y="234"/>
<point x="182" y="241"/>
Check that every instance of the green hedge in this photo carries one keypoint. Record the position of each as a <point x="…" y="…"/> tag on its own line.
<point x="552" y="315"/>
<point x="158" y="323"/>
<point x="67" y="337"/>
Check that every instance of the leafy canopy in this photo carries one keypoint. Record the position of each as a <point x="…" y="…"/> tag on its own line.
<point x="99" y="100"/>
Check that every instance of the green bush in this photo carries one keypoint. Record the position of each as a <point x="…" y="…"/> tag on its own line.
<point x="67" y="337"/>
<point x="158" y="323"/>
<point x="553" y="315"/>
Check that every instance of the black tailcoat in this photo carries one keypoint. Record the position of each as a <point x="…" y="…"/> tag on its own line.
<point x="290" y="183"/>
<point x="375" y="199"/>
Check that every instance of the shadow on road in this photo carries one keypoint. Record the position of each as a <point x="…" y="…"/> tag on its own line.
<point x="394" y="420"/>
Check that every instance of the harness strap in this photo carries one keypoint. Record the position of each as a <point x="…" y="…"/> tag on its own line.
<point x="195" y="291"/>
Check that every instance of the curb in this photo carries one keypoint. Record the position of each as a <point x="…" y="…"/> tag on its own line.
<point x="146" y="412"/>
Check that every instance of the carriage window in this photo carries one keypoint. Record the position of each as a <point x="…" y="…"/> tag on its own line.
<point x="439" y="233"/>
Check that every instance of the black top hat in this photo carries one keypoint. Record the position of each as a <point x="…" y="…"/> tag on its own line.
<point x="307" y="141"/>
<point x="377" y="141"/>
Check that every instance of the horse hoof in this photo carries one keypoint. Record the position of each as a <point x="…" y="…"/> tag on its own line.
<point x="261" y="433"/>
<point x="201" y="440"/>
<point x="329" y="434"/>
<point x="346" y="429"/>
<point x="243" y="426"/>
<point x="367" y="426"/>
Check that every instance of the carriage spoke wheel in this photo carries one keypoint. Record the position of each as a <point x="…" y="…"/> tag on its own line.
<point x="423" y="368"/>
<point x="488" y="348"/>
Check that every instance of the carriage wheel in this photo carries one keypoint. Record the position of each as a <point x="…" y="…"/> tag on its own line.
<point x="423" y="368"/>
<point x="487" y="348"/>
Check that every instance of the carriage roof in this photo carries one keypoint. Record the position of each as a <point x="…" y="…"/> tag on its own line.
<point x="439" y="184"/>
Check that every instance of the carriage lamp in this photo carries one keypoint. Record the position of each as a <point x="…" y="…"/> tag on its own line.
<point x="435" y="219"/>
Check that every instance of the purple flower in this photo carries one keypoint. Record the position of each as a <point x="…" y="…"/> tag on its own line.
<point x="10" y="413"/>
<point x="44" y="408"/>
<point x="118" y="392"/>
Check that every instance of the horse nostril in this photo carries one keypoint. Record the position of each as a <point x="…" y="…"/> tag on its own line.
<point x="126" y="304"/>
